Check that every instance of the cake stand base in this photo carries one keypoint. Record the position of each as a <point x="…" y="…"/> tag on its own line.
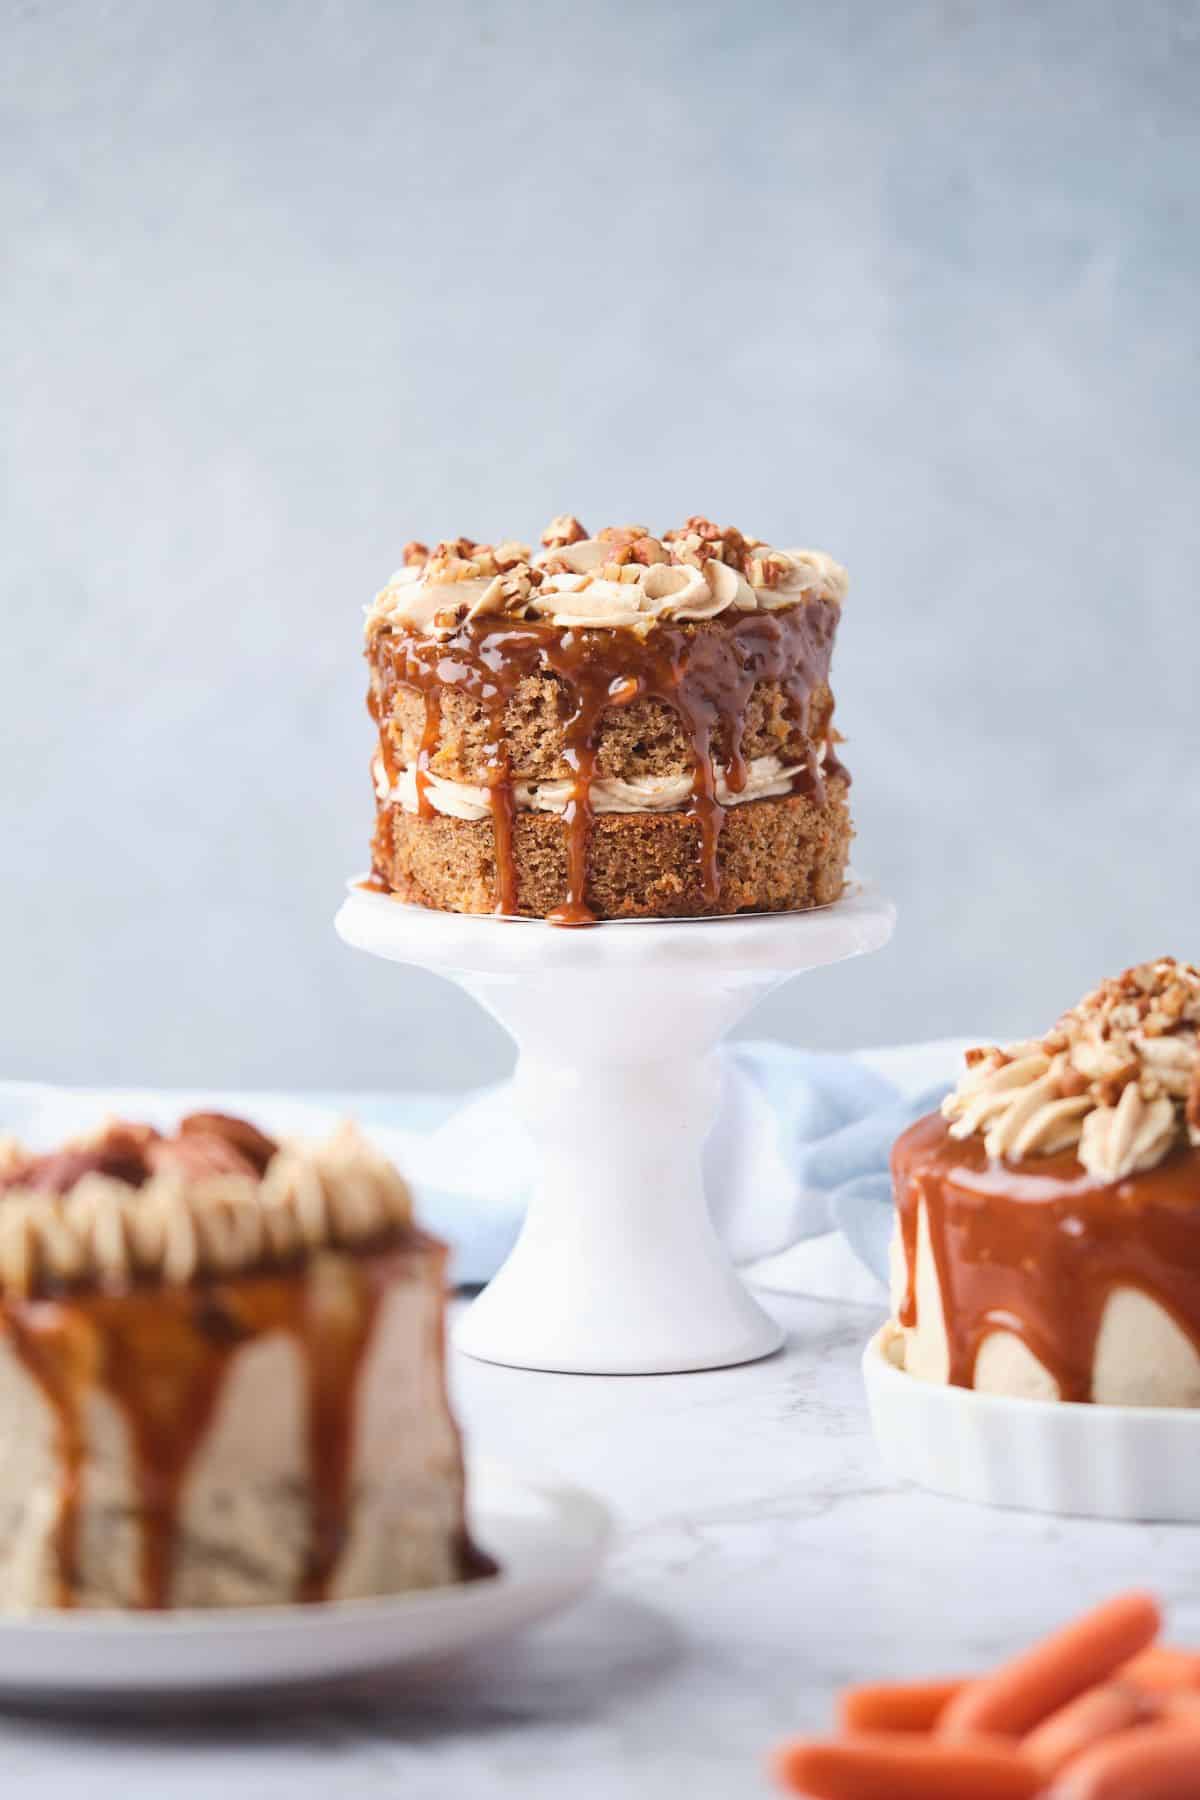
<point x="618" y="1269"/>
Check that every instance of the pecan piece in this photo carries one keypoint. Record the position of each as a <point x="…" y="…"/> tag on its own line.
<point x="247" y="1139"/>
<point x="565" y="529"/>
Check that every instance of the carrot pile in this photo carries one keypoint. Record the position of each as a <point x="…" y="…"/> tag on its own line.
<point x="1097" y="1711"/>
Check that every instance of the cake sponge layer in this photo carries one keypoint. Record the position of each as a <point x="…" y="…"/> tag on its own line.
<point x="776" y="855"/>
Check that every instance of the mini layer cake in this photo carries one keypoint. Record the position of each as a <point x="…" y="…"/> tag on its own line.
<point x="613" y="727"/>
<point x="1048" y="1240"/>
<point x="221" y="1375"/>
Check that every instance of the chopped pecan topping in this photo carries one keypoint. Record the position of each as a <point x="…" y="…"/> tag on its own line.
<point x="452" y="561"/>
<point x="414" y="554"/>
<point x="565" y="529"/>
<point x="767" y="570"/>
<point x="199" y="1155"/>
<point x="1109" y="1088"/>
<point x="246" y="1139"/>
<point x="1070" y="1084"/>
<point x="700" y="541"/>
<point x="709" y="565"/>
<point x="631" y="544"/>
<point x="130" y="1204"/>
<point x="1118" y="1078"/>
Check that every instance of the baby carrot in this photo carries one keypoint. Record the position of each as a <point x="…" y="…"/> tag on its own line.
<point x="1023" y="1692"/>
<point x="1183" y="1707"/>
<point x="1087" y="1720"/>
<point x="901" y="1766"/>
<point x="1163" y="1669"/>
<point x="1156" y="1762"/>
<point x="895" y="1706"/>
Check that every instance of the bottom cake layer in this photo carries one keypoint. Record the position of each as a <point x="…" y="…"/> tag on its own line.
<point x="777" y="855"/>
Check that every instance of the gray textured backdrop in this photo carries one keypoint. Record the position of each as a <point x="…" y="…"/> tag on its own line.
<point x="290" y="283"/>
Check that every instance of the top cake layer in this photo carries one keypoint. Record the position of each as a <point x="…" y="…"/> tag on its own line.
<point x="622" y="578"/>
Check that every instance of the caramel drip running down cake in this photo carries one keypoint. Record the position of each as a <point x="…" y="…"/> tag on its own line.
<point x="221" y="1374"/>
<point x="609" y="727"/>
<point x="1048" y="1240"/>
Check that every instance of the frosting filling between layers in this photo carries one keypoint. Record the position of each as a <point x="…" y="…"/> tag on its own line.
<point x="766" y="777"/>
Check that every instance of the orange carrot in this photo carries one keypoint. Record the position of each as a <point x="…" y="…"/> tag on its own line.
<point x="1163" y="1669"/>
<point x="895" y="1706"/>
<point x="1023" y="1692"/>
<point x="1184" y="1707"/>
<point x="1087" y="1720"/>
<point x="885" y="1765"/>
<point x="1156" y="1762"/>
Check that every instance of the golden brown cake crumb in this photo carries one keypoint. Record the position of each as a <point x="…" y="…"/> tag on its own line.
<point x="774" y="856"/>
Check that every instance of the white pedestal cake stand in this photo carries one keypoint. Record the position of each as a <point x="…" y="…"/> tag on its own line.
<point x="618" y="1269"/>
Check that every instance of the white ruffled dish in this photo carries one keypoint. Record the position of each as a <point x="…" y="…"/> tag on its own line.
<point x="549" y="1541"/>
<point x="1103" y="1462"/>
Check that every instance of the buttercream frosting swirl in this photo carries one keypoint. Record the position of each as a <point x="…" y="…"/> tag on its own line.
<point x="1118" y="1078"/>
<point x="623" y="578"/>
<point x="183" y="1222"/>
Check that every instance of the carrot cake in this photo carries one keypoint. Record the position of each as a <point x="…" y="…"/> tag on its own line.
<point x="608" y="727"/>
<point x="221" y="1374"/>
<point x="1048" y="1240"/>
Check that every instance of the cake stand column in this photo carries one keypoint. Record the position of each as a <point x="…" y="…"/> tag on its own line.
<point x="618" y="1269"/>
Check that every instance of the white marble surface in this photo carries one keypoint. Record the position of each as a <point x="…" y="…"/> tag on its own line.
<point x="763" y="1559"/>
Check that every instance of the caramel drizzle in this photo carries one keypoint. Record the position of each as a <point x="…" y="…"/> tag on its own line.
<point x="500" y="793"/>
<point x="163" y="1356"/>
<point x="50" y="1363"/>
<point x="707" y="678"/>
<point x="1037" y="1248"/>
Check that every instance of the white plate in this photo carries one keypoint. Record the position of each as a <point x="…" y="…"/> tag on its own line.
<point x="1100" y="1462"/>
<point x="548" y="1539"/>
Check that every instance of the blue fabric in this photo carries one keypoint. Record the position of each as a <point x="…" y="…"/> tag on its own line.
<point x="833" y="1121"/>
<point x="799" y="1149"/>
<point x="840" y="1120"/>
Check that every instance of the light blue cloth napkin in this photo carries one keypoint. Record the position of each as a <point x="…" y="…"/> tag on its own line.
<point x="797" y="1155"/>
<point x="838" y="1119"/>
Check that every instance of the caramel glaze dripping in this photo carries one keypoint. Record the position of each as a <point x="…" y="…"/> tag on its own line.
<point x="500" y="792"/>
<point x="57" y="1361"/>
<point x="162" y="1356"/>
<point x="377" y="881"/>
<point x="707" y="678"/>
<point x="1036" y="1248"/>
